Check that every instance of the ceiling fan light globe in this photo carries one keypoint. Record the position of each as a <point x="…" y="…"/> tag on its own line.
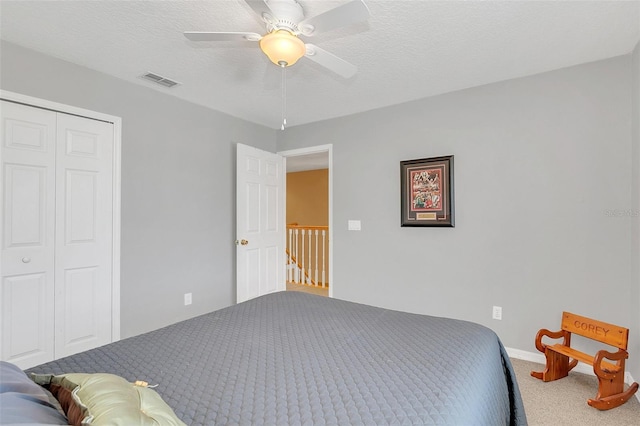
<point x="282" y="47"/>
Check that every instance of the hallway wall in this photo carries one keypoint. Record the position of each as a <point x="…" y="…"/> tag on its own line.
<point x="308" y="197"/>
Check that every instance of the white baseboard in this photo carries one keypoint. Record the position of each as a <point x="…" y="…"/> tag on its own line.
<point x="580" y="368"/>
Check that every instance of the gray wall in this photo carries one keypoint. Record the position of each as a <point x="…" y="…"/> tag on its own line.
<point x="634" y="337"/>
<point x="543" y="170"/>
<point x="540" y="165"/>
<point x="178" y="192"/>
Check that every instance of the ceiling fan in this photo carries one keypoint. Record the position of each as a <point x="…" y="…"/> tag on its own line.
<point x="285" y="22"/>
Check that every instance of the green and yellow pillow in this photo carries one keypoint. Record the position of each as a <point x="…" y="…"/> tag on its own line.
<point x="106" y="399"/>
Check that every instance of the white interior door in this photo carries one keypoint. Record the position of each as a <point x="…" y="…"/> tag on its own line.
<point x="260" y="223"/>
<point x="27" y="156"/>
<point x="84" y="229"/>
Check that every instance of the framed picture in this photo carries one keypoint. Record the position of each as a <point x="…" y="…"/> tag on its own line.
<point x="426" y="187"/>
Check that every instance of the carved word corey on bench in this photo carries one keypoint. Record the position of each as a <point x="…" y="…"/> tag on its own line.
<point x="597" y="330"/>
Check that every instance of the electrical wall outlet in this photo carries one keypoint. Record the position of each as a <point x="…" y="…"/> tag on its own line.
<point x="187" y="299"/>
<point x="497" y="312"/>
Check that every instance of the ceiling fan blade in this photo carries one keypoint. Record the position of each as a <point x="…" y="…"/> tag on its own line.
<point x="215" y="36"/>
<point x="260" y="8"/>
<point x="341" y="16"/>
<point x="330" y="61"/>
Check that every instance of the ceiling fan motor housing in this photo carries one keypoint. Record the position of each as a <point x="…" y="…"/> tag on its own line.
<point x="286" y="15"/>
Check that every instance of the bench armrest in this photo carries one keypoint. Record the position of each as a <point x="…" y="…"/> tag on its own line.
<point x="565" y="335"/>
<point x="614" y="356"/>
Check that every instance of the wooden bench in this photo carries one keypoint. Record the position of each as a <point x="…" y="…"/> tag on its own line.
<point x="562" y="358"/>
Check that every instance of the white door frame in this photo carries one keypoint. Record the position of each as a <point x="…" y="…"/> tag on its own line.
<point x="314" y="150"/>
<point x="117" y="145"/>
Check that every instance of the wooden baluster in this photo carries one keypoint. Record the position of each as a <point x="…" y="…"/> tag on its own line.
<point x="316" y="265"/>
<point x="297" y="272"/>
<point x="302" y="278"/>
<point x="324" y="234"/>
<point x="309" y="264"/>
<point x="289" y="260"/>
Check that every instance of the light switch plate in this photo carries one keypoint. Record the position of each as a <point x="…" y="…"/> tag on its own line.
<point x="354" y="225"/>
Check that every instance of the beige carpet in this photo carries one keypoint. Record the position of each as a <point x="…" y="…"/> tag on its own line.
<point x="564" y="401"/>
<point x="308" y="289"/>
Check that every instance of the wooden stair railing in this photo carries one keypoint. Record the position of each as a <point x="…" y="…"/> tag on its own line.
<point x="306" y="251"/>
<point x="294" y="263"/>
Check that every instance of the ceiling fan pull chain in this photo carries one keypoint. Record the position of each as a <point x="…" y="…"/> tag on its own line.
<point x="284" y="96"/>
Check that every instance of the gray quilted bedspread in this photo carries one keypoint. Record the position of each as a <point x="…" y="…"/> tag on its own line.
<point x="290" y="358"/>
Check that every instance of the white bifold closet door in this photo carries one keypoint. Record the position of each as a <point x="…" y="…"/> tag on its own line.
<point x="57" y="242"/>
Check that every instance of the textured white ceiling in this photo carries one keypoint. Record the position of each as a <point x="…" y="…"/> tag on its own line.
<point x="407" y="50"/>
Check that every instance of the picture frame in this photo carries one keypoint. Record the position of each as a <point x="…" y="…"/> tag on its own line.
<point x="426" y="192"/>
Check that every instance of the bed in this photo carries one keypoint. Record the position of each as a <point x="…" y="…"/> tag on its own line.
<point x="292" y="358"/>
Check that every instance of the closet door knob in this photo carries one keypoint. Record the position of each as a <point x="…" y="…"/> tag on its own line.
<point x="242" y="242"/>
<point x="26" y="259"/>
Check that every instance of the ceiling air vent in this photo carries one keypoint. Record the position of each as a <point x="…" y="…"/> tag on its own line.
<point x="159" y="79"/>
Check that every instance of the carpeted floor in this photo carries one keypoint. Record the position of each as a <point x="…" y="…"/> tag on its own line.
<point x="564" y="402"/>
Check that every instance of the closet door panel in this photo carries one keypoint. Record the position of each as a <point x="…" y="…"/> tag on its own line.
<point x="27" y="157"/>
<point x="25" y="220"/>
<point x="84" y="242"/>
<point x="26" y="331"/>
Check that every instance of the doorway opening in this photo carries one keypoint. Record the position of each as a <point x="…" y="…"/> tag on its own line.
<point x="309" y="220"/>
